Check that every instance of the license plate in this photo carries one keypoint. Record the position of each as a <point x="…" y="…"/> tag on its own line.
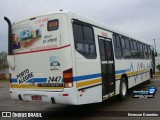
<point x="36" y="97"/>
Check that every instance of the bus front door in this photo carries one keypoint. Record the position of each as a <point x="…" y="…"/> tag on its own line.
<point x="107" y="67"/>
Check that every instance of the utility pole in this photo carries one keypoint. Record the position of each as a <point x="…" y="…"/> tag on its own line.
<point x="155" y="47"/>
<point x="154" y="44"/>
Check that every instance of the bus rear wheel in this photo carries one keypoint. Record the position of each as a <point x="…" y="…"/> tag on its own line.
<point x="123" y="89"/>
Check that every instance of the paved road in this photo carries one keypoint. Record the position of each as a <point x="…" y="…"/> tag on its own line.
<point x="130" y="104"/>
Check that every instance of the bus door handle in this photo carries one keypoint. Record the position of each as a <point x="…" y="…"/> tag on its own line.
<point x="104" y="62"/>
<point x="110" y="62"/>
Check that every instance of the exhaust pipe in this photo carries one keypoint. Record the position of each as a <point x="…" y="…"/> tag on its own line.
<point x="9" y="36"/>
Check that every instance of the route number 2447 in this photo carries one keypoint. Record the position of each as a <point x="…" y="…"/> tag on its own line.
<point x="54" y="79"/>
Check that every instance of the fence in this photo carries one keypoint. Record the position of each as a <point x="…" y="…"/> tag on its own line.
<point x="4" y="74"/>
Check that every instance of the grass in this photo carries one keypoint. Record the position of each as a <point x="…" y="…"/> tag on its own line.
<point x="157" y="73"/>
<point x="4" y="80"/>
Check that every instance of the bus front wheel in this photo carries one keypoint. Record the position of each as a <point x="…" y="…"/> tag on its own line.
<point x="123" y="89"/>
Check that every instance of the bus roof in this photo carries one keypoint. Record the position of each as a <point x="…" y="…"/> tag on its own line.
<point x="88" y="20"/>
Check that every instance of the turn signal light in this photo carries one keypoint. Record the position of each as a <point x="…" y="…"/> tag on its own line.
<point x="68" y="78"/>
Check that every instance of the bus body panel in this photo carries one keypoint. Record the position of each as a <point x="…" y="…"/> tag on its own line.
<point x="134" y="69"/>
<point x="90" y="90"/>
<point x="88" y="77"/>
<point x="42" y="62"/>
<point x="137" y="71"/>
<point x="46" y="64"/>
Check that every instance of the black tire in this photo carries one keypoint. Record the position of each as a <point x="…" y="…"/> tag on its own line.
<point x="123" y="89"/>
<point x="151" y="74"/>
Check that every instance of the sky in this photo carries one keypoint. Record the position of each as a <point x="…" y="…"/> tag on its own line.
<point x="139" y="18"/>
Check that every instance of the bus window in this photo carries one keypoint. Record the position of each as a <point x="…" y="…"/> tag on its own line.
<point x="137" y="49"/>
<point x="84" y="40"/>
<point x="128" y="51"/>
<point x="102" y="50"/>
<point x="125" y="47"/>
<point x="145" y="52"/>
<point x="117" y="46"/>
<point x="78" y="32"/>
<point x="86" y="48"/>
<point x="80" y="47"/>
<point x="134" y="50"/>
<point x="141" y="51"/>
<point x="114" y="40"/>
<point x="109" y="53"/>
<point x="92" y="50"/>
<point x="88" y="34"/>
<point x="52" y="25"/>
<point x="122" y="42"/>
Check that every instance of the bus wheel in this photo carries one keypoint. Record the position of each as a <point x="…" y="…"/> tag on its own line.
<point x="123" y="89"/>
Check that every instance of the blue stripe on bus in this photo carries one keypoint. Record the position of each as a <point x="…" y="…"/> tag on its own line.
<point x="84" y="77"/>
<point x="120" y="71"/>
<point x="77" y="78"/>
<point x="36" y="80"/>
<point x="14" y="80"/>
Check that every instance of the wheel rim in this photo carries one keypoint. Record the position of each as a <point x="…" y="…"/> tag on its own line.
<point x="124" y="89"/>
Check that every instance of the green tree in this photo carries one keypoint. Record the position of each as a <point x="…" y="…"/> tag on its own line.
<point x="3" y="60"/>
<point x="158" y="67"/>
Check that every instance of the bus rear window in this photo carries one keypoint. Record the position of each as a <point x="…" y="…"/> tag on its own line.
<point x="52" y="25"/>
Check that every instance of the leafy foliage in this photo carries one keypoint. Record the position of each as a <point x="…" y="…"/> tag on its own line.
<point x="158" y="67"/>
<point x="3" y="60"/>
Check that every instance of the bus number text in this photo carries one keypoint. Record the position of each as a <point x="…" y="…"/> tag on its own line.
<point x="54" y="79"/>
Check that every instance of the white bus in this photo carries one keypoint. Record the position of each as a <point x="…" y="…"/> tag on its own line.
<point x="65" y="58"/>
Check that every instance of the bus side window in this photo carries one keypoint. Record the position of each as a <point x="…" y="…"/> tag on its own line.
<point x="88" y="34"/>
<point x="84" y="40"/>
<point x="117" y="46"/>
<point x="146" y="51"/>
<point x="52" y="25"/>
<point x="114" y="41"/>
<point x="123" y="47"/>
<point x="134" y="50"/>
<point x="89" y="38"/>
<point x="109" y="53"/>
<point x="144" y="48"/>
<point x="102" y="50"/>
<point x="128" y="50"/>
<point x="141" y="51"/>
<point x="78" y="32"/>
<point x="138" y="47"/>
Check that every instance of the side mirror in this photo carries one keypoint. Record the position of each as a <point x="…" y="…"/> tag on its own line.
<point x="155" y="54"/>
